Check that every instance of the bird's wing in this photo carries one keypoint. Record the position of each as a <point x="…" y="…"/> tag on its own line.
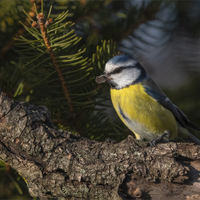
<point x="154" y="91"/>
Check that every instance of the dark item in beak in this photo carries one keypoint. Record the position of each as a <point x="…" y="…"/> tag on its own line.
<point x="101" y="79"/>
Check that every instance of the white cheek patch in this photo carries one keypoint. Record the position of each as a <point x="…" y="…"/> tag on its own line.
<point x="111" y="67"/>
<point x="125" y="78"/>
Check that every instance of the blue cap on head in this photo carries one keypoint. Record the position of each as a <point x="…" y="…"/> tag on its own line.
<point x="120" y="59"/>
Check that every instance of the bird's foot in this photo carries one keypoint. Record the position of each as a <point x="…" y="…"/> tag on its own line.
<point x="160" y="139"/>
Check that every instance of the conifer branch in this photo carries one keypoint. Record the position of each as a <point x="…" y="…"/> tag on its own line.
<point x="42" y="24"/>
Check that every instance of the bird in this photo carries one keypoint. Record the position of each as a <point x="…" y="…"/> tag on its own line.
<point x="140" y="103"/>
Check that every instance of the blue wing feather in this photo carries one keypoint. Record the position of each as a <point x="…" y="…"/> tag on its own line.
<point x="154" y="91"/>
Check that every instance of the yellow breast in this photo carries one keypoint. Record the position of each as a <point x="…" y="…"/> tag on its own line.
<point x="142" y="114"/>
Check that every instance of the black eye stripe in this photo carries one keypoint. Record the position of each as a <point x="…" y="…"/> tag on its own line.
<point x="120" y="69"/>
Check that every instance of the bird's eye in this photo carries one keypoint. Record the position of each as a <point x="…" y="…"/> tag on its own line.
<point x="117" y="70"/>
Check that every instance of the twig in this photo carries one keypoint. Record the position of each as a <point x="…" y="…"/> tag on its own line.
<point x="42" y="24"/>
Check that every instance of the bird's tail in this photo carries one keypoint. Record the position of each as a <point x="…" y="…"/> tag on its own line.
<point x="184" y="133"/>
<point x="194" y="138"/>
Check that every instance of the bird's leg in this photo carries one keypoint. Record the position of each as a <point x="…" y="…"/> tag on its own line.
<point x="159" y="139"/>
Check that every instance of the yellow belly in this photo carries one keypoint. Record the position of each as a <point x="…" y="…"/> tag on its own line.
<point x="142" y="114"/>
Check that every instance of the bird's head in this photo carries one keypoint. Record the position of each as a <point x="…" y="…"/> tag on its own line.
<point x="122" y="71"/>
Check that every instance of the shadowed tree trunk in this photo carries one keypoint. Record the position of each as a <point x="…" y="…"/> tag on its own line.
<point x="58" y="164"/>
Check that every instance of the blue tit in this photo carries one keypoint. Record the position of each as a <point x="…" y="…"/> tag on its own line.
<point x="141" y="104"/>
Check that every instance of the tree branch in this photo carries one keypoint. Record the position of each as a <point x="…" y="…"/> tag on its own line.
<point x="58" y="164"/>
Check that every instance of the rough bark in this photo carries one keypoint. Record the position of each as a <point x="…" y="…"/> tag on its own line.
<point x="58" y="164"/>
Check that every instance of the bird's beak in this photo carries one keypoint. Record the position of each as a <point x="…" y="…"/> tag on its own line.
<point x="102" y="78"/>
